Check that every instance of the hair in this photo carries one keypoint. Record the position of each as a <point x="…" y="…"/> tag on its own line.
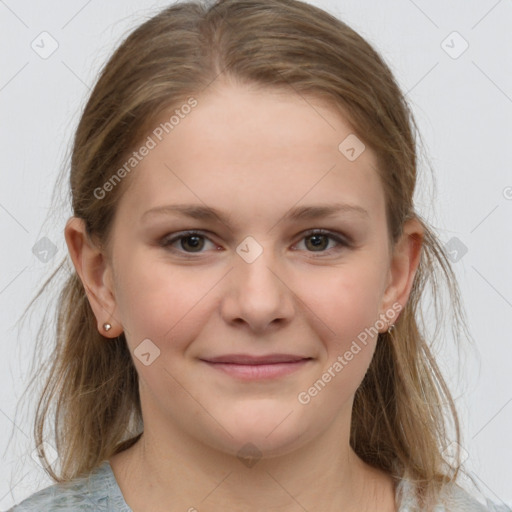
<point x="403" y="414"/>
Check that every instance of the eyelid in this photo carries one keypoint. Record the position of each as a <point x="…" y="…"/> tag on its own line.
<point x="169" y="239"/>
<point x="336" y="235"/>
<point x="343" y="240"/>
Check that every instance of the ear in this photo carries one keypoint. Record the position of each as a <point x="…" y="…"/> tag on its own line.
<point x="404" y="263"/>
<point x="95" y="272"/>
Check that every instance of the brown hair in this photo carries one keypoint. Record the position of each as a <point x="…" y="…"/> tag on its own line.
<point x="403" y="410"/>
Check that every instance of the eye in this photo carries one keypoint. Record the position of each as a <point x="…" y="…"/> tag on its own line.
<point x="316" y="240"/>
<point x="189" y="241"/>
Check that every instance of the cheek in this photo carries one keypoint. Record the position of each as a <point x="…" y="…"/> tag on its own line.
<point x="347" y="308"/>
<point x="346" y="302"/>
<point x="158" y="300"/>
<point x="169" y="304"/>
<point x="345" y="299"/>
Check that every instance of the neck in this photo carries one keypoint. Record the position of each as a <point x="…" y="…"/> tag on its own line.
<point x="196" y="476"/>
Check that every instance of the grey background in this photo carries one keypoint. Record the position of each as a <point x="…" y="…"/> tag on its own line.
<point x="463" y="105"/>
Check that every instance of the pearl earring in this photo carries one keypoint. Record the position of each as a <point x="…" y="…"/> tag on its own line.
<point x="107" y="327"/>
<point x="391" y="327"/>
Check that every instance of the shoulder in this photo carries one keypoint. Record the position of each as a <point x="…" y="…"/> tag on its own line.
<point x="92" y="493"/>
<point x="453" y="498"/>
<point x="457" y="499"/>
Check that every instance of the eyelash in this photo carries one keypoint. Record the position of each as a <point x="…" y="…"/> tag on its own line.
<point x="342" y="241"/>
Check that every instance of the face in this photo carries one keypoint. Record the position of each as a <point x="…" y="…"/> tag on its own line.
<point x="294" y="267"/>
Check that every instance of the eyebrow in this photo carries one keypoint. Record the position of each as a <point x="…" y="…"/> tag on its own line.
<point x="207" y="213"/>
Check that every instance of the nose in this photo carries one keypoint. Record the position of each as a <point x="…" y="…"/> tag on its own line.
<point x="257" y="294"/>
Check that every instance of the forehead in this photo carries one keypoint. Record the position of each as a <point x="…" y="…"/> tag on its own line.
<point x="253" y="150"/>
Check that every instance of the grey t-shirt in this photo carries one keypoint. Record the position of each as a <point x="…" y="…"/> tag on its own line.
<point x="99" y="492"/>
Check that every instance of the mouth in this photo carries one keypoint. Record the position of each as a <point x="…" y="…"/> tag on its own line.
<point x="249" y="367"/>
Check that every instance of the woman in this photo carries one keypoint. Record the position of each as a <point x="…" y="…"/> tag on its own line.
<point x="241" y="327"/>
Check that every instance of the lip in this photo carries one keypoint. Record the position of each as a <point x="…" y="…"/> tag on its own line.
<point x="252" y="360"/>
<point x="249" y="367"/>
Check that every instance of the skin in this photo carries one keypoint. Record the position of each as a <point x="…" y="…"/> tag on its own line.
<point x="253" y="154"/>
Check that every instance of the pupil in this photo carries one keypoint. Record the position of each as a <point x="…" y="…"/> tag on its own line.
<point x="196" y="243"/>
<point x="320" y="240"/>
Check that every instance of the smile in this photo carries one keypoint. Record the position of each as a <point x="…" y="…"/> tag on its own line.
<point x="257" y="368"/>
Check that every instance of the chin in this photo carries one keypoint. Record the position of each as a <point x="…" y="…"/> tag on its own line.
<point x="264" y="435"/>
<point x="252" y="447"/>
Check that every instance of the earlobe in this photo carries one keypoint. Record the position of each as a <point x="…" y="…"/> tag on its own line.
<point x="94" y="271"/>
<point x="403" y="266"/>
